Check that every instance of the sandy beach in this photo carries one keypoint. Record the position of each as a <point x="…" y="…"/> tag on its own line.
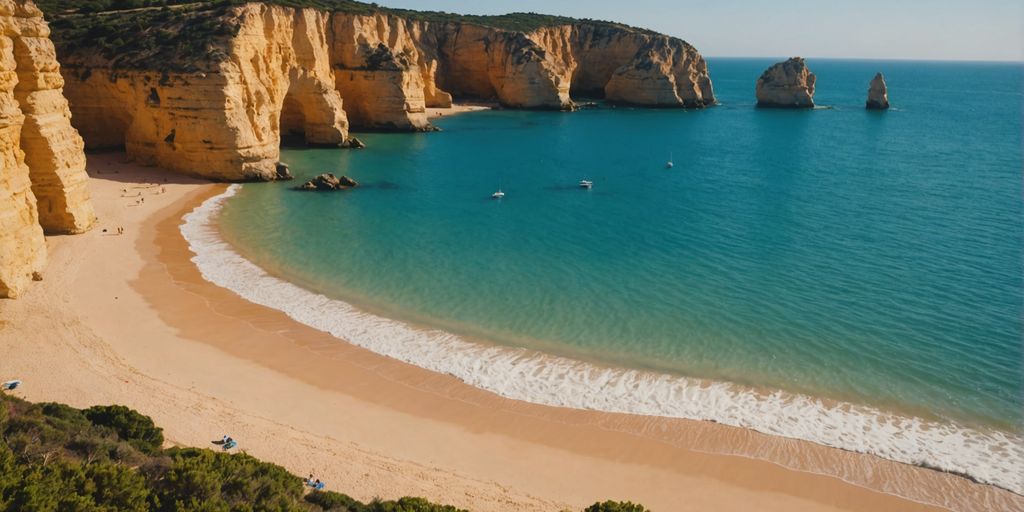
<point x="457" y="108"/>
<point x="128" y="319"/>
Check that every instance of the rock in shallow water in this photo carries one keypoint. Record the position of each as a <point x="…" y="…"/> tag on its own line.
<point x="328" y="181"/>
<point x="353" y="143"/>
<point x="283" y="173"/>
<point x="788" y="84"/>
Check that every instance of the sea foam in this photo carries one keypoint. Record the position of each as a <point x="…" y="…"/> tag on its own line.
<point x="989" y="456"/>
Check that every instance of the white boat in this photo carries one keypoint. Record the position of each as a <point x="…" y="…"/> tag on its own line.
<point x="586" y="184"/>
<point x="669" y="164"/>
<point x="498" y="195"/>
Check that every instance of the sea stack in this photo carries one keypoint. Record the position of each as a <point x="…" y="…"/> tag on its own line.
<point x="786" y="84"/>
<point x="878" y="94"/>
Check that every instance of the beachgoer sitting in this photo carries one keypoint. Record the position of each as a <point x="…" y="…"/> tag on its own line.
<point x="229" y="444"/>
<point x="318" y="485"/>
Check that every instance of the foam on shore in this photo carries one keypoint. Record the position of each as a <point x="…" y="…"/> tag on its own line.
<point x="989" y="456"/>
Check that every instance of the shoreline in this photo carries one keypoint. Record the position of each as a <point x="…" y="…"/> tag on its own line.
<point x="540" y="378"/>
<point x="193" y="354"/>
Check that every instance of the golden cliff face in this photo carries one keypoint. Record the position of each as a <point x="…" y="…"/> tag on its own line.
<point x="225" y="122"/>
<point x="308" y="73"/>
<point x="377" y="72"/>
<point x="43" y="184"/>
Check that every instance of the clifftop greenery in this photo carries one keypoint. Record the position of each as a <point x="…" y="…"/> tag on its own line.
<point x="54" y="457"/>
<point x="109" y="458"/>
<point x="185" y="35"/>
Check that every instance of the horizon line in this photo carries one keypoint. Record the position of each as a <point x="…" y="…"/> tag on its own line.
<point x="900" y="59"/>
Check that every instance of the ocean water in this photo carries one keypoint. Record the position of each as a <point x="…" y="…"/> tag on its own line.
<point x="848" y="277"/>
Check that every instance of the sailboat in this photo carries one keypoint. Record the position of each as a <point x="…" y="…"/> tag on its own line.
<point x="669" y="164"/>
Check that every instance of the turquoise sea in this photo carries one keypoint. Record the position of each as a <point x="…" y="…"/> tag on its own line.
<point x="868" y="258"/>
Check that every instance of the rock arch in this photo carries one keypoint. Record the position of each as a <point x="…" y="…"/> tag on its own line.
<point x="311" y="111"/>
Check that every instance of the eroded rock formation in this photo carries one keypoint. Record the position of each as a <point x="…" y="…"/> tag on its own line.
<point x="308" y="73"/>
<point x="878" y="94"/>
<point x="43" y="184"/>
<point x="223" y="121"/>
<point x="328" y="181"/>
<point x="788" y="84"/>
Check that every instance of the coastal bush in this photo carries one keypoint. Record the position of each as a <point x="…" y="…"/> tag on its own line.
<point x="410" y="505"/>
<point x="138" y="429"/>
<point x="56" y="458"/>
<point x="616" y="506"/>
<point x="335" y="502"/>
<point x="200" y="479"/>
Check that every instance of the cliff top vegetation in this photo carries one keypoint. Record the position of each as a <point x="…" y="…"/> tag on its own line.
<point x="186" y="35"/>
<point x="56" y="457"/>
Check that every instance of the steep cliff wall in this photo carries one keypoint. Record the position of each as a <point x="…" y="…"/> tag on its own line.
<point x="43" y="184"/>
<point x="223" y="121"/>
<point x="53" y="149"/>
<point x="22" y="249"/>
<point x="377" y="71"/>
<point x="269" y="70"/>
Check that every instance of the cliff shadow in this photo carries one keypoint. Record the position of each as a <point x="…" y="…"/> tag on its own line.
<point x="115" y="165"/>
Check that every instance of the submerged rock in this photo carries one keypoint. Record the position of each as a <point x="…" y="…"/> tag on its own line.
<point x="788" y="84"/>
<point x="328" y="181"/>
<point x="878" y="94"/>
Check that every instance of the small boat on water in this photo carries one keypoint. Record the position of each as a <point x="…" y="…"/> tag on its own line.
<point x="669" y="164"/>
<point x="586" y="184"/>
<point x="498" y="195"/>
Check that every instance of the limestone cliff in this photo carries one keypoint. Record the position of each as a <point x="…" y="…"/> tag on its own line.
<point x="788" y="84"/>
<point x="224" y="119"/>
<point x="217" y="103"/>
<point x="878" y="94"/>
<point x="43" y="184"/>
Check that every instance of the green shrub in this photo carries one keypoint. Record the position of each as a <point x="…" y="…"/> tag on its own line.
<point x="200" y="478"/>
<point x="408" y="504"/>
<point x="55" y="458"/>
<point x="616" y="506"/>
<point x="335" y="502"/>
<point x="138" y="429"/>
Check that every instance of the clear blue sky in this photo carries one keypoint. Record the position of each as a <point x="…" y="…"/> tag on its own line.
<point x="874" y="29"/>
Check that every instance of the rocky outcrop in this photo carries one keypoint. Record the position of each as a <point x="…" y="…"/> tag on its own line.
<point x="377" y="72"/>
<point x="270" y="71"/>
<point x="283" y="172"/>
<point x="53" y="149"/>
<point x="43" y="184"/>
<point x="878" y="94"/>
<point x="225" y="120"/>
<point x="328" y="181"/>
<point x="354" y="143"/>
<point x="788" y="84"/>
